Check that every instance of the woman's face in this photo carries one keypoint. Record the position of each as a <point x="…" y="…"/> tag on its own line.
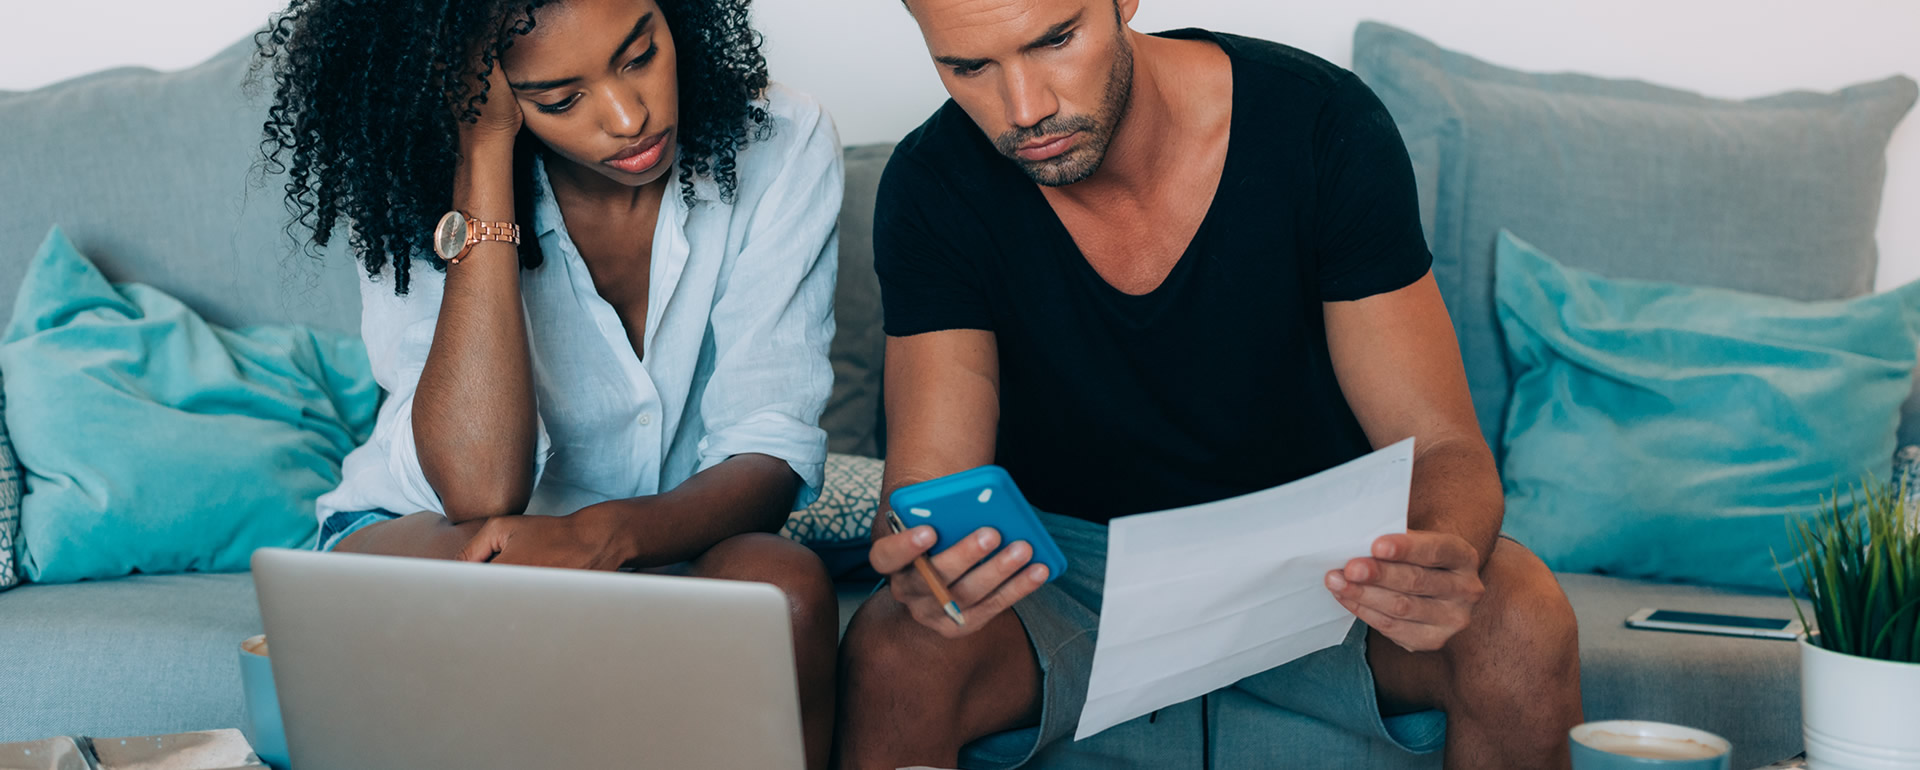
<point x="596" y="83"/>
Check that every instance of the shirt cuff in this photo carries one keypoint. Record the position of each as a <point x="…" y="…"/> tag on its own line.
<point x="801" y="445"/>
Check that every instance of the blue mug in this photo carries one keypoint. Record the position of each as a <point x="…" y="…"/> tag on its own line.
<point x="1636" y="745"/>
<point x="264" y="731"/>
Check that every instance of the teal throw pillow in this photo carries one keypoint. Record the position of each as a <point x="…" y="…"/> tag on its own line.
<point x="1669" y="432"/>
<point x="154" y="442"/>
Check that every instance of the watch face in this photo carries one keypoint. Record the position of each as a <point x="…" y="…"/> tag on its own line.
<point x="450" y="236"/>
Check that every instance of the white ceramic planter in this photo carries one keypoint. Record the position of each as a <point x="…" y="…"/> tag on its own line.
<point x="1859" y="713"/>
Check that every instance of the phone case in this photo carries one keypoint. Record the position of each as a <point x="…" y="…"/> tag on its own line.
<point x="986" y="496"/>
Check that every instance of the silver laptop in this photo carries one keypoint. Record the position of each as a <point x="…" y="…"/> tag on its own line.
<point x="409" y="663"/>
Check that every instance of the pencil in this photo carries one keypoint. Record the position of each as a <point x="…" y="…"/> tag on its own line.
<point x="933" y="581"/>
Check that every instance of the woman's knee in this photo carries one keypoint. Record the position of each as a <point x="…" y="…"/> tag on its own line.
<point x="786" y="565"/>
<point x="424" y="535"/>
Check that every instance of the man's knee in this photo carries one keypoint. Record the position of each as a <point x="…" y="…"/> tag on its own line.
<point x="885" y="644"/>
<point x="887" y="650"/>
<point x="987" y="678"/>
<point x="1524" y="620"/>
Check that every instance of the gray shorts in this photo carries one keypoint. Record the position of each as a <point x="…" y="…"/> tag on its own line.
<point x="1332" y="688"/>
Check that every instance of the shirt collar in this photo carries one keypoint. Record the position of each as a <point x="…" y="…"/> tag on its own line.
<point x="546" y="210"/>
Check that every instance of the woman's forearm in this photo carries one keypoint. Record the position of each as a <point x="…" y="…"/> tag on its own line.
<point x="473" y="412"/>
<point x="745" y="493"/>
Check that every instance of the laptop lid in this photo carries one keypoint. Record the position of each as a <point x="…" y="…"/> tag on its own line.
<point x="385" y="662"/>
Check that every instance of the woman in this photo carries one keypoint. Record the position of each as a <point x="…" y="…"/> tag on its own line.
<point x="599" y="259"/>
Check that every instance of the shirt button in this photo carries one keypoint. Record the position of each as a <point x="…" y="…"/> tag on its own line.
<point x="646" y="419"/>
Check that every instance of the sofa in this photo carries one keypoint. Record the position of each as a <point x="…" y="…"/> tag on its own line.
<point x="152" y="174"/>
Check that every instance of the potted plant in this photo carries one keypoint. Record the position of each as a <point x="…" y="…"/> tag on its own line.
<point x="1860" y="661"/>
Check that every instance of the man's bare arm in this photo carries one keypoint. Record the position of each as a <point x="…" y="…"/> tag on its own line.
<point x="1399" y="368"/>
<point x="943" y="406"/>
<point x="943" y="416"/>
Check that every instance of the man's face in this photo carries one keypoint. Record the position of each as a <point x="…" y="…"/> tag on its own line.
<point x="1047" y="80"/>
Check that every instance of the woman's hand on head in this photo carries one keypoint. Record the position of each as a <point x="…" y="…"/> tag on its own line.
<point x="483" y="178"/>
<point x="499" y="120"/>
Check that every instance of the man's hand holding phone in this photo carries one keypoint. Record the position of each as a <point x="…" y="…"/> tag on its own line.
<point x="982" y="587"/>
<point x="962" y="520"/>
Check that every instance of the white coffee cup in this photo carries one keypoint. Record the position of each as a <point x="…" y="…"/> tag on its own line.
<point x="1638" y="745"/>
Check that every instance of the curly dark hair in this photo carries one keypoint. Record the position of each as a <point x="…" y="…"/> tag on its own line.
<point x="367" y="94"/>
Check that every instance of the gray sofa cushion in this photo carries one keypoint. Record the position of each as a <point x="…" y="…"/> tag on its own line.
<point x="149" y="173"/>
<point x="852" y="419"/>
<point x="140" y="655"/>
<point x="1631" y="180"/>
<point x="1745" y="690"/>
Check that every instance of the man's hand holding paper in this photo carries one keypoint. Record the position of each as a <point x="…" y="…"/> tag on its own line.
<point x="1201" y="597"/>
<point x="1417" y="589"/>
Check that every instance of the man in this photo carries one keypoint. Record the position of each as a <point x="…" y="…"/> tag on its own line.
<point x="1146" y="271"/>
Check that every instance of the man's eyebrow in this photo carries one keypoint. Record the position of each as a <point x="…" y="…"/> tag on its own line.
<point x="639" y="28"/>
<point x="961" y="63"/>
<point x="958" y="62"/>
<point x="1053" y="32"/>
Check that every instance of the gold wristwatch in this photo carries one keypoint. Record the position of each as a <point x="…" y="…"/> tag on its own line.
<point x="456" y="234"/>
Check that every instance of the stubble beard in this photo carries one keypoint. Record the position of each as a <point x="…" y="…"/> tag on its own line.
<point x="1097" y="131"/>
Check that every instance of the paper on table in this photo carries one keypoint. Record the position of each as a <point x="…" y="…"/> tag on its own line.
<point x="1201" y="597"/>
<point x="225" y="749"/>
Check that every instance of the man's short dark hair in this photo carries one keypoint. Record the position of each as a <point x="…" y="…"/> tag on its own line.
<point x="1116" y="7"/>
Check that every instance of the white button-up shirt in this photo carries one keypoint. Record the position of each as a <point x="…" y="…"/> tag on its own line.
<point x="739" y="317"/>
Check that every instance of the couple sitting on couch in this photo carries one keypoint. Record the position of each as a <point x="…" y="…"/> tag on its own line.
<point x="1189" y="263"/>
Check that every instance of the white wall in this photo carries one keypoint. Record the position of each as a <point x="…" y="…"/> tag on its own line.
<point x="864" y="59"/>
<point x="42" y="42"/>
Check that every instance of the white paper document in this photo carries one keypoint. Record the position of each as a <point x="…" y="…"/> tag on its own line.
<point x="1201" y="597"/>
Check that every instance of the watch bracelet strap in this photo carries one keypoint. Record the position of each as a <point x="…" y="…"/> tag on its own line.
<point x="478" y="232"/>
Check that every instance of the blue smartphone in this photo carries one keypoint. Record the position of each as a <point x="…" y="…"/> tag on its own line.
<point x="957" y="505"/>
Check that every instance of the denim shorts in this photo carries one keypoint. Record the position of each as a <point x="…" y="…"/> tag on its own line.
<point x="343" y="523"/>
<point x="1333" y="686"/>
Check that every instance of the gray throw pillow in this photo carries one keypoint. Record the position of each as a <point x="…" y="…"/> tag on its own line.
<point x="152" y="176"/>
<point x="1627" y="179"/>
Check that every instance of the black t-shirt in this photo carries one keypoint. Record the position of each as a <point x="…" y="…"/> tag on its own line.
<point x="1216" y="383"/>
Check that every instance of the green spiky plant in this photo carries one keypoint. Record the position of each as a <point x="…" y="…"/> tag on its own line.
<point x="1860" y="567"/>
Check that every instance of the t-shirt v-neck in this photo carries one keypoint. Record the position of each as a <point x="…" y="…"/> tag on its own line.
<point x="1140" y="310"/>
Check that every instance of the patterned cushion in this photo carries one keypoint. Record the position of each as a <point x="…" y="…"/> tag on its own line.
<point x="9" y="504"/>
<point x="844" y="512"/>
